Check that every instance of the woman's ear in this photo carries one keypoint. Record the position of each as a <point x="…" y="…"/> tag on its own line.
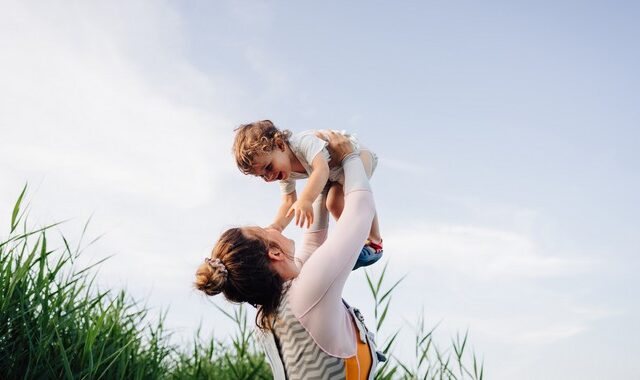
<point x="275" y="254"/>
<point x="280" y="144"/>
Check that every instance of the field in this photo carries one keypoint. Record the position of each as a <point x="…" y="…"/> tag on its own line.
<point x="56" y="324"/>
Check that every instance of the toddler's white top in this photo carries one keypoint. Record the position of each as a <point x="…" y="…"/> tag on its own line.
<point x="306" y="146"/>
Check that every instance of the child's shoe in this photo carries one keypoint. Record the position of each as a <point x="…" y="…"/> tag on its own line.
<point x="370" y="253"/>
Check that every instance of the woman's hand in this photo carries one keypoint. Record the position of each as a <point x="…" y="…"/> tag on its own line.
<point x="339" y="146"/>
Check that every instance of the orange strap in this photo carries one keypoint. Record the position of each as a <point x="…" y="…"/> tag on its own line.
<point x="357" y="367"/>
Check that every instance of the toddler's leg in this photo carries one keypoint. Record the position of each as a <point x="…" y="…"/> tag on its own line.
<point x="374" y="234"/>
<point x="335" y="205"/>
<point x="335" y="197"/>
<point x="320" y="214"/>
<point x="372" y="251"/>
<point x="335" y="200"/>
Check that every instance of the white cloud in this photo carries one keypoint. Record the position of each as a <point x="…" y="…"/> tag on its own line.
<point x="101" y="110"/>
<point x="88" y="113"/>
<point x="103" y="113"/>
<point x="492" y="281"/>
<point x="481" y="252"/>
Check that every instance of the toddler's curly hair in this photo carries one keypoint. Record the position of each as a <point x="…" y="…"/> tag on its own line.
<point x="255" y="139"/>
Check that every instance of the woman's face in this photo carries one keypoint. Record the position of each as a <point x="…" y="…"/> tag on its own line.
<point x="288" y="246"/>
<point x="284" y="263"/>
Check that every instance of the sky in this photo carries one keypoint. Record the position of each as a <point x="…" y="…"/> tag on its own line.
<point x="507" y="132"/>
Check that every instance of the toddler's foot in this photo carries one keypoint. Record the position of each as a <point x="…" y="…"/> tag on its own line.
<point x="370" y="253"/>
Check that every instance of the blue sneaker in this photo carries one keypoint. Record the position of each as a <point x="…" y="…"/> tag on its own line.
<point x="368" y="255"/>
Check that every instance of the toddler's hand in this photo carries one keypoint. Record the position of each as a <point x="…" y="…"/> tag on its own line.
<point x="303" y="212"/>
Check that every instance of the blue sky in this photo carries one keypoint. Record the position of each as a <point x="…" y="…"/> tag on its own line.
<point x="508" y="135"/>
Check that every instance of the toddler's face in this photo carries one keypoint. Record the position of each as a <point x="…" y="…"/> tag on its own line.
<point x="272" y="166"/>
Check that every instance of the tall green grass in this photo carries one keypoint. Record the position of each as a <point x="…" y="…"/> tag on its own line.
<point x="56" y="324"/>
<point x="215" y="360"/>
<point x="430" y="361"/>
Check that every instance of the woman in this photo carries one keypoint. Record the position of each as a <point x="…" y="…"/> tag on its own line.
<point x="308" y="331"/>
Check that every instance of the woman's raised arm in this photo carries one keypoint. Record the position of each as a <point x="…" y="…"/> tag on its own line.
<point x="322" y="278"/>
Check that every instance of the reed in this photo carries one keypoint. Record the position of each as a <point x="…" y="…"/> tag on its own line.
<point x="56" y="324"/>
<point x="430" y="361"/>
<point x="240" y="359"/>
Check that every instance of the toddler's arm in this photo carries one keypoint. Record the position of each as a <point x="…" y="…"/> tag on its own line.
<point x="282" y="220"/>
<point x="302" y="208"/>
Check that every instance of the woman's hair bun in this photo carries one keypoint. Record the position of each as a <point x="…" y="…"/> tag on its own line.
<point x="211" y="278"/>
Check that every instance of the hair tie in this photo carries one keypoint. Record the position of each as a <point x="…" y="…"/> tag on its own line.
<point x="216" y="264"/>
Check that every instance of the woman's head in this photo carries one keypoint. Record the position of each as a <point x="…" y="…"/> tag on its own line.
<point x="244" y="266"/>
<point x="259" y="144"/>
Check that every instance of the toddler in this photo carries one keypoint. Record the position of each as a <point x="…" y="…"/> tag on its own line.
<point x="265" y="151"/>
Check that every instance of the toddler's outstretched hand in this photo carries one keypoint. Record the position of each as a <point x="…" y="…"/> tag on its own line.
<point x="303" y="212"/>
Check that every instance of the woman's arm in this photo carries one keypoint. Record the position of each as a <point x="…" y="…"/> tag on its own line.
<point x="321" y="280"/>
<point x="311" y="240"/>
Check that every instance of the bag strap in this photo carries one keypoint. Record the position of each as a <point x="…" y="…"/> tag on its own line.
<point x="366" y="336"/>
<point x="268" y="342"/>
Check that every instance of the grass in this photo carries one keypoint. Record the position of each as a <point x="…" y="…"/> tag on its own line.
<point x="430" y="361"/>
<point x="214" y="360"/>
<point x="56" y="324"/>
